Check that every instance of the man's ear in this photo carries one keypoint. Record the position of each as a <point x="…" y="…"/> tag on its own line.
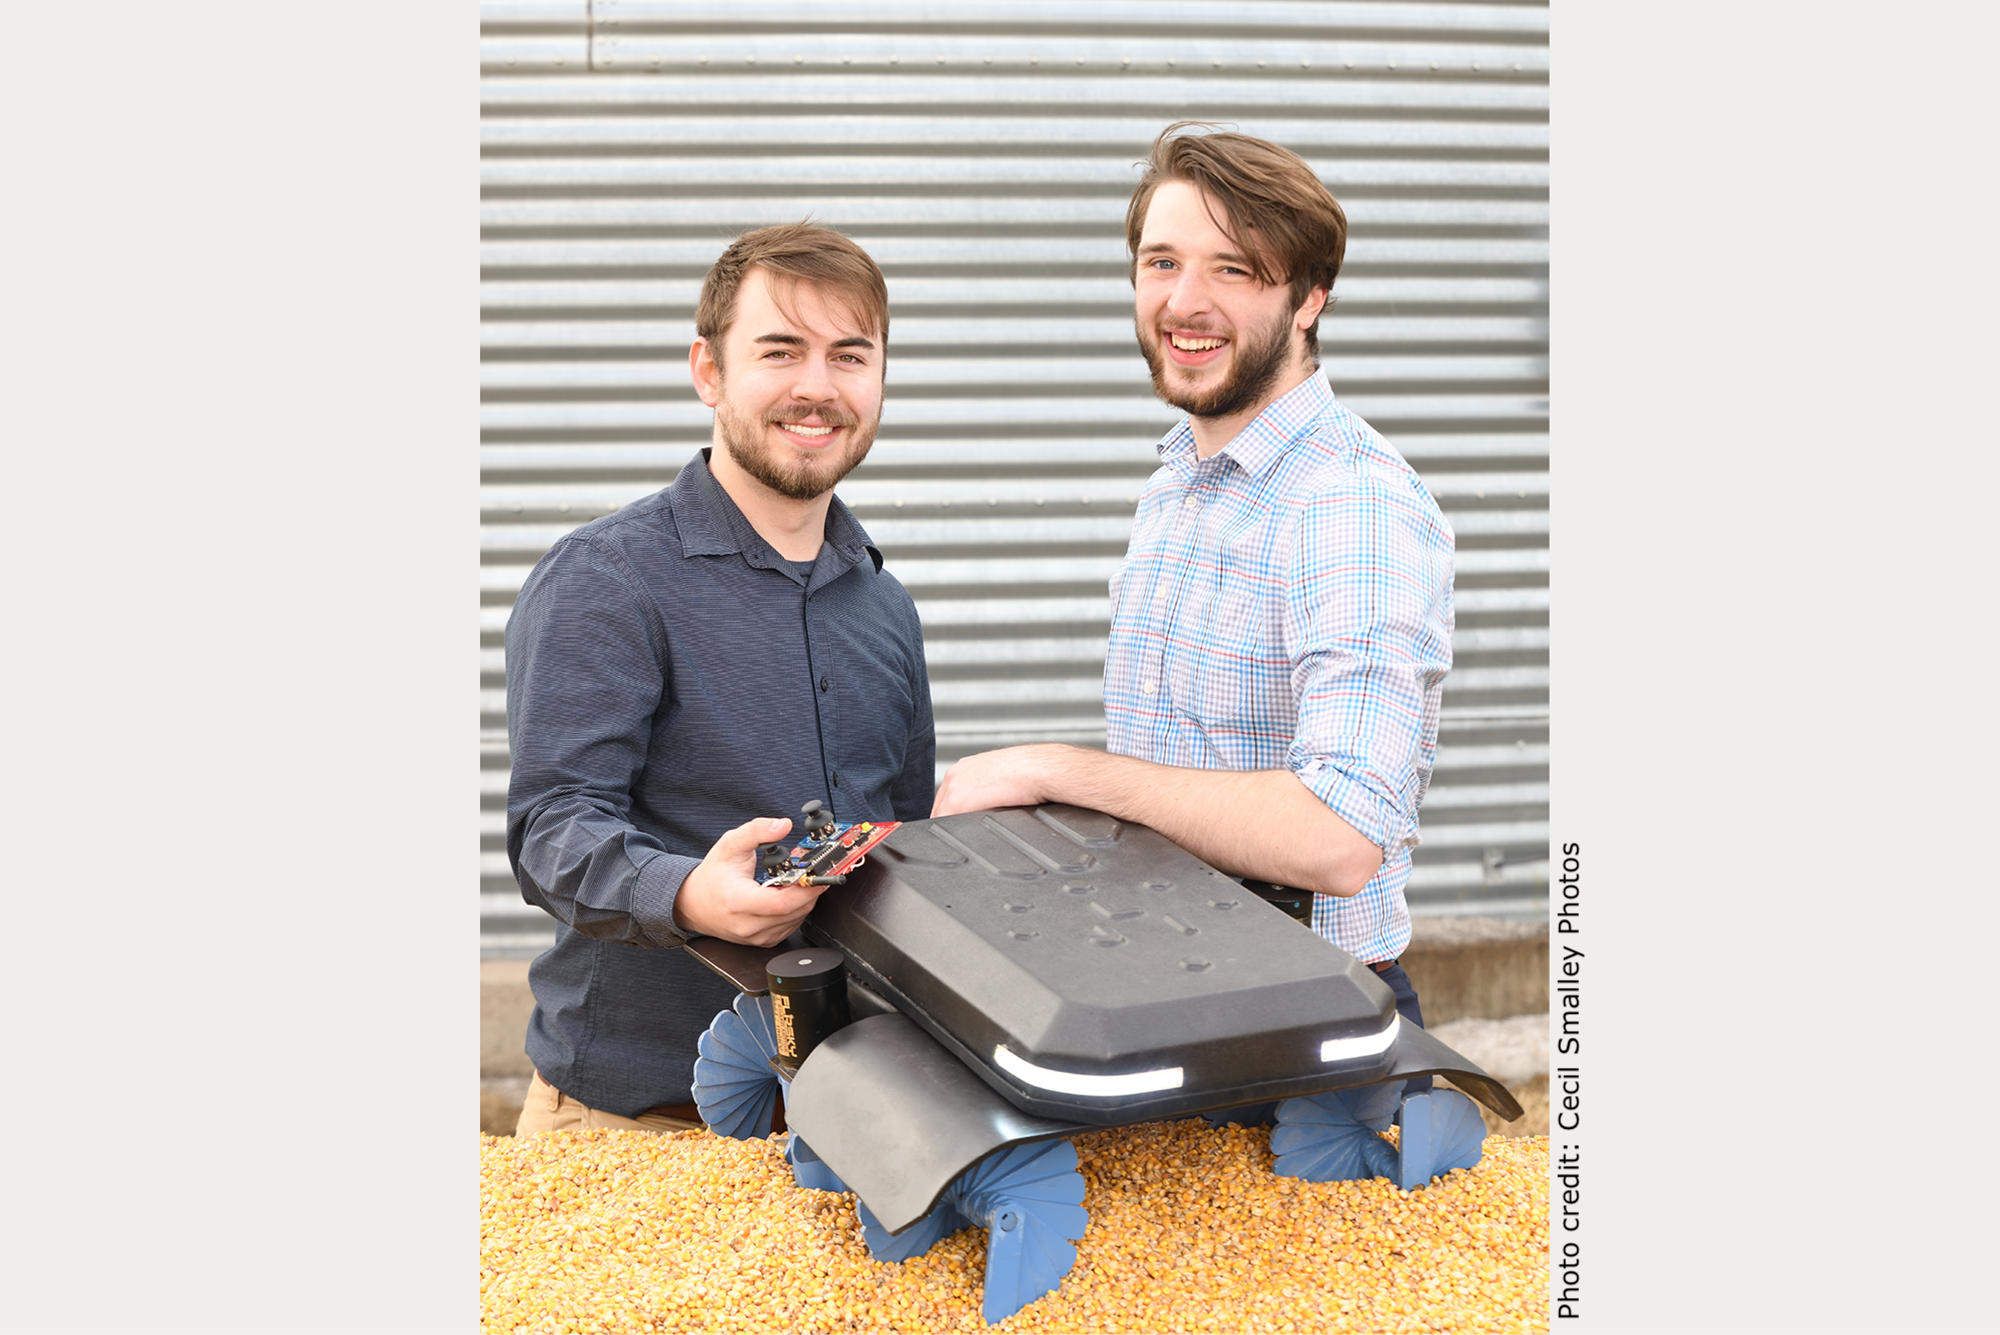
<point x="1315" y="302"/>
<point x="706" y="372"/>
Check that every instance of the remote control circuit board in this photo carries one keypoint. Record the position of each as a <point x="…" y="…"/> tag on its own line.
<point x="825" y="855"/>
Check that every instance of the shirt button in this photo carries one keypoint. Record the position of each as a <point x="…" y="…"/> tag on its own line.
<point x="1148" y="686"/>
<point x="1189" y="502"/>
<point x="1161" y="596"/>
<point x="822" y="683"/>
<point x="836" y="781"/>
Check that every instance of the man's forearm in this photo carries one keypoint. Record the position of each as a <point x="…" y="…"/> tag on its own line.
<point x="1264" y="824"/>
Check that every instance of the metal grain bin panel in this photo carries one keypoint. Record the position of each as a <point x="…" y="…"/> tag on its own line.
<point x="983" y="153"/>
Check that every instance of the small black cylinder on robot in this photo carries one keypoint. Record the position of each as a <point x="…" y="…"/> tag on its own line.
<point x="808" y="1000"/>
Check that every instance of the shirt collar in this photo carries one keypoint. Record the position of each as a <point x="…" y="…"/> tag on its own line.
<point x="710" y="524"/>
<point x="1266" y="437"/>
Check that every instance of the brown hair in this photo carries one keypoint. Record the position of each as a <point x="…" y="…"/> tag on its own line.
<point x="1262" y="189"/>
<point x="793" y="253"/>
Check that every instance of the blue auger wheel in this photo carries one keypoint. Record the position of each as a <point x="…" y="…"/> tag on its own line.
<point x="1337" y="1136"/>
<point x="943" y="1221"/>
<point x="1442" y="1130"/>
<point x="736" y="1090"/>
<point x="734" y="1085"/>
<point x="1030" y="1199"/>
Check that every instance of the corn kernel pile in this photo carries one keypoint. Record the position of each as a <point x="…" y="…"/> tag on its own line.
<point x="1189" y="1231"/>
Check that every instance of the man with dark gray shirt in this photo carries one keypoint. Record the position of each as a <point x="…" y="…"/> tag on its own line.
<point x="727" y="647"/>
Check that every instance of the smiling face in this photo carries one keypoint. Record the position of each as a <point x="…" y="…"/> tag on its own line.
<point x="1221" y="344"/>
<point x="796" y="386"/>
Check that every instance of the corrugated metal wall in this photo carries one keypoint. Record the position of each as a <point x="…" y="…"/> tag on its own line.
<point x="983" y="152"/>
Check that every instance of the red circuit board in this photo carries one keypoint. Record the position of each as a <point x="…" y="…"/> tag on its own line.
<point x="835" y="854"/>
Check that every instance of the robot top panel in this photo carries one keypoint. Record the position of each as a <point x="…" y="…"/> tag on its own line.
<point x="1081" y="943"/>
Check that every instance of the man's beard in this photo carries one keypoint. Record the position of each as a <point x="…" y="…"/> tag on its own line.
<point x="798" y="478"/>
<point x="1254" y="368"/>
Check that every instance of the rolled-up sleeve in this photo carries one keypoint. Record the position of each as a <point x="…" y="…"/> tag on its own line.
<point x="586" y="674"/>
<point x="1368" y="616"/>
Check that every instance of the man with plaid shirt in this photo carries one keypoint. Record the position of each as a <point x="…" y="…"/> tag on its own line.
<point x="1281" y="629"/>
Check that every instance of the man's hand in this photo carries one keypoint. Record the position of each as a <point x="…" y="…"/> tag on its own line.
<point x="723" y="898"/>
<point x="1012" y="777"/>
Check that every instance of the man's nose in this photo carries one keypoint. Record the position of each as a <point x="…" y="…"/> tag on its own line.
<point x="1188" y="296"/>
<point x="814" y="382"/>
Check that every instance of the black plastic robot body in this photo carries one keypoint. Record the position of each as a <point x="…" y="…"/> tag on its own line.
<point x="1019" y="975"/>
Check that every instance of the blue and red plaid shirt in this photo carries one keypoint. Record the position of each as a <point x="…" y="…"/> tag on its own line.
<point x="1286" y="604"/>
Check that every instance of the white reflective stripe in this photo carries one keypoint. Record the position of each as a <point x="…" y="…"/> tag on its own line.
<point x="1343" y="1049"/>
<point x="1069" y="1082"/>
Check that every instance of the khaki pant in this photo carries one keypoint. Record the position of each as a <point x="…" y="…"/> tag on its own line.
<point x="548" y="1109"/>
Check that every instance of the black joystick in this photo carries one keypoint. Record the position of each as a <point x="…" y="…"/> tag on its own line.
<point x="819" y="821"/>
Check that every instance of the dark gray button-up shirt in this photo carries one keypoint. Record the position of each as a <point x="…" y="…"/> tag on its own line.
<point x="669" y="676"/>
